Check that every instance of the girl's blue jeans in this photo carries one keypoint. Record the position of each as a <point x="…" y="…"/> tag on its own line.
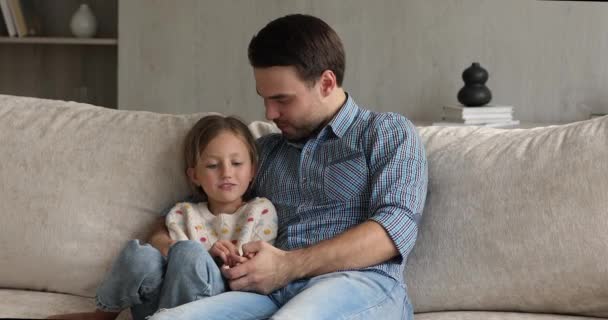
<point x="145" y="281"/>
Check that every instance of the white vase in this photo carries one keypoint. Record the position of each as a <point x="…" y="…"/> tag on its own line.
<point x="83" y="23"/>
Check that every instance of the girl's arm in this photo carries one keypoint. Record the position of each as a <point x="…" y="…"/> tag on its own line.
<point x="267" y="224"/>
<point x="159" y="237"/>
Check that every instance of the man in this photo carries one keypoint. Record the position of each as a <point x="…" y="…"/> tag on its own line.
<point x="349" y="186"/>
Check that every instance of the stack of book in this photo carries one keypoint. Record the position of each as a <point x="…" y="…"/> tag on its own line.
<point x="487" y="116"/>
<point x="19" y="18"/>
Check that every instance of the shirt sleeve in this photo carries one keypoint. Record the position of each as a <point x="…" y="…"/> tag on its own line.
<point x="175" y="222"/>
<point x="399" y="180"/>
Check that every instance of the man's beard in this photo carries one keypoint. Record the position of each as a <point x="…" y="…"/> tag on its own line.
<point x="303" y="134"/>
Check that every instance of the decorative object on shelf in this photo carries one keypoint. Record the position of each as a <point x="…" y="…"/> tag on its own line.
<point x="83" y="23"/>
<point x="474" y="93"/>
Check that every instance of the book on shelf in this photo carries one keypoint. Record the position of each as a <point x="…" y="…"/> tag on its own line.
<point x="469" y="111"/>
<point x="503" y="124"/>
<point x="494" y="115"/>
<point x="3" y="30"/>
<point x="8" y="18"/>
<point x="18" y="18"/>
<point x="478" y="121"/>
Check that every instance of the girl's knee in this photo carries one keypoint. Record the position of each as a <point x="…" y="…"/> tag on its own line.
<point x="188" y="255"/>
<point x="136" y="256"/>
<point x="187" y="249"/>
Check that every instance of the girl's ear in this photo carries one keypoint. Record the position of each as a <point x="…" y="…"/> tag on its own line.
<point x="191" y="172"/>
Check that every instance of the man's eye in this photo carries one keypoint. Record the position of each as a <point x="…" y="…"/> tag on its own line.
<point x="211" y="166"/>
<point x="283" y="101"/>
<point x="237" y="164"/>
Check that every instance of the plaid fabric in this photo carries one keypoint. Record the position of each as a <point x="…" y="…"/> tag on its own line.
<point x="362" y="166"/>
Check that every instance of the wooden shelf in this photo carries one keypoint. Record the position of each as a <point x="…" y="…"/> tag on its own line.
<point x="61" y="40"/>
<point x="54" y="64"/>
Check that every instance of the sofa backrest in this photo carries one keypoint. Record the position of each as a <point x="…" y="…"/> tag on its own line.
<point x="514" y="220"/>
<point x="76" y="182"/>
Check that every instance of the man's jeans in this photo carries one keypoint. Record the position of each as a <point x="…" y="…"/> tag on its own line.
<point x="339" y="295"/>
<point x="142" y="279"/>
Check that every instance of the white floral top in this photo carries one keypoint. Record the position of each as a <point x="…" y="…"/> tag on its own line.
<point x="253" y="221"/>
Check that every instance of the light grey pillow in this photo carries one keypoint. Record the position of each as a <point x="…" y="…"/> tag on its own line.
<point x="515" y="220"/>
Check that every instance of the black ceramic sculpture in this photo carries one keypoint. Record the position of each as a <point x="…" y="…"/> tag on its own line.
<point x="474" y="93"/>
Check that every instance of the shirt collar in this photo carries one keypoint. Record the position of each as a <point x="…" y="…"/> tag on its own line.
<point x="339" y="123"/>
<point x="344" y="118"/>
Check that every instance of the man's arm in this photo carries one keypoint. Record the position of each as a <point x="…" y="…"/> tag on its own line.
<point x="364" y="245"/>
<point x="273" y="268"/>
<point x="159" y="237"/>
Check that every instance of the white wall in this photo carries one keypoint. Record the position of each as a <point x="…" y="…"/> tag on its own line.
<point x="548" y="59"/>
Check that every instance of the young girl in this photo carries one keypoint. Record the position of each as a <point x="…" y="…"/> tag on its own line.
<point x="221" y="161"/>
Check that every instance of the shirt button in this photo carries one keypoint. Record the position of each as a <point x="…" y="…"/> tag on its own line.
<point x="304" y="179"/>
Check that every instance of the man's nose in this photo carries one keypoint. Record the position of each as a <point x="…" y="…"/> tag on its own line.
<point x="271" y="110"/>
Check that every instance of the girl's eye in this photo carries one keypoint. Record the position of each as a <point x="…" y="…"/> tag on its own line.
<point x="237" y="164"/>
<point x="211" y="166"/>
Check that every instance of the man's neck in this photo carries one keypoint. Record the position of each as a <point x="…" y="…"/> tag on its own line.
<point x="337" y="100"/>
<point x="335" y="103"/>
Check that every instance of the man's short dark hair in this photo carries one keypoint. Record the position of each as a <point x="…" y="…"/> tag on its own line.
<point x="302" y="41"/>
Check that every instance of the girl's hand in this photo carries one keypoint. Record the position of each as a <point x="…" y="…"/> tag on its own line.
<point x="235" y="260"/>
<point x="225" y="250"/>
<point x="159" y="237"/>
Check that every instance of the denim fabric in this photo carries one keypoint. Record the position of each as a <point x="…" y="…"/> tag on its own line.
<point x="142" y="279"/>
<point x="339" y="295"/>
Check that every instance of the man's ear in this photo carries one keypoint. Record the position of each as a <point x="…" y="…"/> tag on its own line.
<point x="327" y="83"/>
<point x="191" y="173"/>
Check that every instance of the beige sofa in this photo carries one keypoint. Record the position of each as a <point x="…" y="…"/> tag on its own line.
<point x="515" y="226"/>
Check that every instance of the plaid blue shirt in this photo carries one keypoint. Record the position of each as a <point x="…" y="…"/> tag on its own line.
<point x="362" y="166"/>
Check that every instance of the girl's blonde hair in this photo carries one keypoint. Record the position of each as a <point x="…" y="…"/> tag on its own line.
<point x="205" y="130"/>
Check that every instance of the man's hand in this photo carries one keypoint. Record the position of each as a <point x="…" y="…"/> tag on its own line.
<point x="266" y="270"/>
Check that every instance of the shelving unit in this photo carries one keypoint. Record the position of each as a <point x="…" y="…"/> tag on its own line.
<point x="61" y="40"/>
<point x="55" y="64"/>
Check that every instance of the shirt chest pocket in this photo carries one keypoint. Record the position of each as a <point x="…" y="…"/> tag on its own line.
<point x="346" y="178"/>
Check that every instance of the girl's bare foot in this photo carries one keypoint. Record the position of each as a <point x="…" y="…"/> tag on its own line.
<point x="97" y="315"/>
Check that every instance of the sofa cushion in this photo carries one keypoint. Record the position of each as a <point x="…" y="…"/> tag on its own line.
<point x="37" y="305"/>
<point x="22" y="304"/>
<point x="480" y="315"/>
<point x="77" y="182"/>
<point x="515" y="220"/>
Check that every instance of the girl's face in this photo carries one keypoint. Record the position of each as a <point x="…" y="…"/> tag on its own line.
<point x="224" y="171"/>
